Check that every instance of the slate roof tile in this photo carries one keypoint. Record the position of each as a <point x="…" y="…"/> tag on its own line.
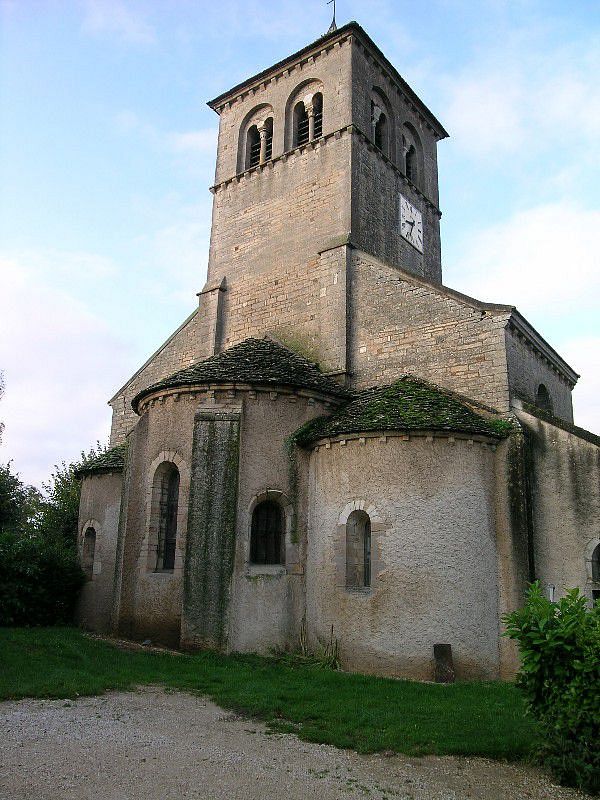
<point x="253" y="361"/>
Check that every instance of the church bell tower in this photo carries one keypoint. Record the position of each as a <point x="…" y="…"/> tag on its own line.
<point x="326" y="151"/>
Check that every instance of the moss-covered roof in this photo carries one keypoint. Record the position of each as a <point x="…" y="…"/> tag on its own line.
<point x="253" y="361"/>
<point x="409" y="404"/>
<point x="112" y="460"/>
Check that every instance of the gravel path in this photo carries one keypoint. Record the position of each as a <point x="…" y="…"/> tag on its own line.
<point x="157" y="745"/>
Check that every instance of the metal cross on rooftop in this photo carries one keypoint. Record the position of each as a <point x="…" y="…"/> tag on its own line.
<point x="333" y="26"/>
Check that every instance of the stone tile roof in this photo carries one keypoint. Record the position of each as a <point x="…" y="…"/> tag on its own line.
<point x="112" y="460"/>
<point x="253" y="361"/>
<point x="409" y="404"/>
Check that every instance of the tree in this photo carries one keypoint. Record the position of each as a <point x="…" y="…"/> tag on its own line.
<point x="19" y="504"/>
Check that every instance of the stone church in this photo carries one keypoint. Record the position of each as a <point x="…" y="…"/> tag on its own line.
<point x="334" y="444"/>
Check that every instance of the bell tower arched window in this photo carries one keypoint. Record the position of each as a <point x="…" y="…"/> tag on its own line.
<point x="317" y="103"/>
<point x="252" y="147"/>
<point x="358" y="550"/>
<point x="301" y="124"/>
<point x="379" y="127"/>
<point x="411" y="164"/>
<point x="267" y="536"/>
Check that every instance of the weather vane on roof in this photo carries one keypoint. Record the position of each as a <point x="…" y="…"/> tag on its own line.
<point x="333" y="26"/>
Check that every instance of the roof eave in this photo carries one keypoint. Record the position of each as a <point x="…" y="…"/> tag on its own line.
<point x="350" y="27"/>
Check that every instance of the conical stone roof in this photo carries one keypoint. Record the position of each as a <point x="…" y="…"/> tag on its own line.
<point x="409" y="404"/>
<point x="261" y="362"/>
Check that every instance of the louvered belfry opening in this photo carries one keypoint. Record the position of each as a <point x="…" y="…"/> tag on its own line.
<point x="318" y="112"/>
<point x="267" y="540"/>
<point x="301" y="124"/>
<point x="253" y="147"/>
<point x="269" y="139"/>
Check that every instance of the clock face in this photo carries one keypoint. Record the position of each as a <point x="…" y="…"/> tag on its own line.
<point x="411" y="224"/>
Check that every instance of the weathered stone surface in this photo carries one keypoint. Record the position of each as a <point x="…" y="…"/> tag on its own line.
<point x="211" y="531"/>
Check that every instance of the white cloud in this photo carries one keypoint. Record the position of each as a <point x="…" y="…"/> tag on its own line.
<point x="114" y="18"/>
<point x="59" y="358"/>
<point x="540" y="259"/>
<point x="584" y="354"/>
<point x="521" y="93"/>
<point x="202" y="141"/>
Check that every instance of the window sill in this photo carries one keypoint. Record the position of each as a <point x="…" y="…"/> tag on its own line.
<point x="272" y="570"/>
<point x="364" y="590"/>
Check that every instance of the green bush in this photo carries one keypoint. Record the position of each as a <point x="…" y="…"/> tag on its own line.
<point x="560" y="677"/>
<point x="40" y="580"/>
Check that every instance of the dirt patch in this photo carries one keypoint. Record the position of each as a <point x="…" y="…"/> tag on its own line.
<point x="158" y="745"/>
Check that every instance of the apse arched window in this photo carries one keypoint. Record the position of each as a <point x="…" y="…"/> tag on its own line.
<point x="318" y="115"/>
<point x="301" y="124"/>
<point x="168" y="501"/>
<point x="89" y="551"/>
<point x="411" y="164"/>
<point x="358" y="550"/>
<point x="596" y="564"/>
<point x="379" y="127"/>
<point x="543" y="399"/>
<point x="252" y="147"/>
<point x="267" y="536"/>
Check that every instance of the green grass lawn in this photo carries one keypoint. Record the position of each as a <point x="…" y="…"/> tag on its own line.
<point x="361" y="712"/>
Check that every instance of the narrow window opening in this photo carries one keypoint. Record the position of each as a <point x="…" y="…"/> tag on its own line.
<point x="411" y="164"/>
<point x="379" y="127"/>
<point x="167" y="527"/>
<point x="358" y="551"/>
<point x="267" y="539"/>
<point x="252" y="147"/>
<point x="318" y="114"/>
<point x="89" y="551"/>
<point x="596" y="564"/>
<point x="269" y="139"/>
<point x="301" y="124"/>
<point x="543" y="399"/>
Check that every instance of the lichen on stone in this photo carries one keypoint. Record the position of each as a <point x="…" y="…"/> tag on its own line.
<point x="409" y="404"/>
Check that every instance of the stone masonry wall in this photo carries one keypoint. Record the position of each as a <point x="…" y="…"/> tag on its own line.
<point x="99" y="509"/>
<point x="187" y="345"/>
<point x="526" y="370"/>
<point x="433" y="554"/>
<point x="565" y="472"/>
<point x="379" y="179"/>
<point x="400" y="324"/>
<point x="210" y="549"/>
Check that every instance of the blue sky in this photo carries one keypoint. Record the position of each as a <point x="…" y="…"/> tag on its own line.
<point x="107" y="152"/>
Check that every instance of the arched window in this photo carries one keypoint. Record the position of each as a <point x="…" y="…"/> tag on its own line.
<point x="411" y="164"/>
<point x="267" y="536"/>
<point x="379" y="127"/>
<point x="301" y="124"/>
<point x="318" y="115"/>
<point x="543" y="399"/>
<point x="268" y="146"/>
<point x="89" y="551"/>
<point x="252" y="147"/>
<point x="168" y="499"/>
<point x="358" y="550"/>
<point x="596" y="564"/>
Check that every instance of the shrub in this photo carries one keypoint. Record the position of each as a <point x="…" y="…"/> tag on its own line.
<point x="40" y="580"/>
<point x="560" y="677"/>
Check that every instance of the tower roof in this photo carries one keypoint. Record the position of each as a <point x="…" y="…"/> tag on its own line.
<point x="261" y="362"/>
<point x="351" y="28"/>
<point x="409" y="404"/>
